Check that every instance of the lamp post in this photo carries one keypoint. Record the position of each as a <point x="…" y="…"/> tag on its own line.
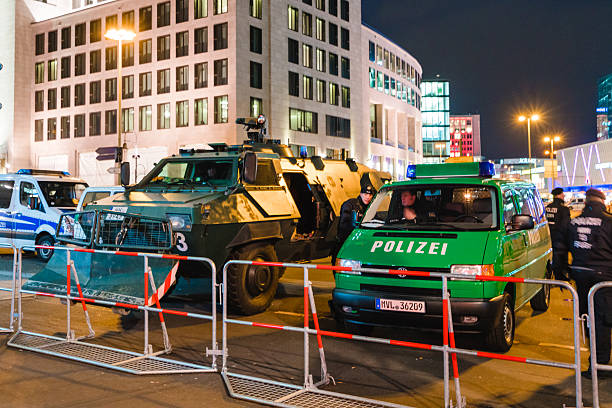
<point x="552" y="153"/>
<point x="523" y="118"/>
<point x="440" y="146"/>
<point x="119" y="35"/>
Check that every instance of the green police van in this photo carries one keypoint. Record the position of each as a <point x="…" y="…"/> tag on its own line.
<point x="450" y="218"/>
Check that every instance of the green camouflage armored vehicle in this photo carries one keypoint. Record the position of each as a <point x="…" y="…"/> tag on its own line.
<point x="254" y="201"/>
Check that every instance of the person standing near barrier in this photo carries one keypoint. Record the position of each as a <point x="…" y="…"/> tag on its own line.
<point x="558" y="217"/>
<point x="351" y="213"/>
<point x="590" y="242"/>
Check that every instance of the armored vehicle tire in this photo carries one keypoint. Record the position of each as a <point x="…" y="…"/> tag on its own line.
<point x="44" y="254"/>
<point x="251" y="288"/>
<point x="501" y="336"/>
<point x="541" y="300"/>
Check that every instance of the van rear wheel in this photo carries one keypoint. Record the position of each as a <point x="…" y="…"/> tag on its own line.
<point x="44" y="254"/>
<point x="541" y="300"/>
<point x="501" y="336"/>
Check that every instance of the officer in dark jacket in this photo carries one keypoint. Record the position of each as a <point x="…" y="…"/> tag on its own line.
<point x="351" y="212"/>
<point x="558" y="216"/>
<point x="590" y="242"/>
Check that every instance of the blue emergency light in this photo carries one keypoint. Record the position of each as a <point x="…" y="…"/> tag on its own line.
<point x="37" y="172"/>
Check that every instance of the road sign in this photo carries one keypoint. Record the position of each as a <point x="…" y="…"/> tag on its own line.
<point x="114" y="170"/>
<point x="106" y="153"/>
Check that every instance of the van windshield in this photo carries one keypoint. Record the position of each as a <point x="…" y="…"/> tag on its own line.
<point x="192" y="173"/>
<point x="62" y="194"/>
<point x="433" y="207"/>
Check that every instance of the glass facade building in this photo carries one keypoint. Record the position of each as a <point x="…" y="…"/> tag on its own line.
<point x="604" y="107"/>
<point x="435" y="113"/>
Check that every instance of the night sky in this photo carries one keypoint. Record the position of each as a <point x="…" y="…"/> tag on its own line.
<point x="507" y="57"/>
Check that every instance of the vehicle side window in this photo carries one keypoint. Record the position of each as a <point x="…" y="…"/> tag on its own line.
<point x="527" y="204"/>
<point x="94" y="196"/>
<point x="28" y="196"/>
<point x="539" y="205"/>
<point x="509" y="209"/>
<point x="6" y="193"/>
<point x="266" y="176"/>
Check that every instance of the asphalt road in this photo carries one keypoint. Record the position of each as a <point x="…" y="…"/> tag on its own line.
<point x="390" y="373"/>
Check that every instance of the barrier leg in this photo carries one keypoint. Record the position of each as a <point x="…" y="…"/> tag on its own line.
<point x="451" y="329"/>
<point x="325" y="377"/>
<point x="224" y="320"/>
<point x="445" y="341"/>
<point x="577" y="360"/>
<point x="69" y="332"/>
<point x="147" y="346"/>
<point x="307" y="376"/>
<point x="92" y="333"/>
<point x="167" y="345"/>
<point x="13" y="286"/>
<point x="19" y="306"/>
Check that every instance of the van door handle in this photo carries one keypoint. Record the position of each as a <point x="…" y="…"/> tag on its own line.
<point x="525" y="239"/>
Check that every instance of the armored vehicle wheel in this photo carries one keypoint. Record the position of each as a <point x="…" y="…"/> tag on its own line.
<point x="251" y="288"/>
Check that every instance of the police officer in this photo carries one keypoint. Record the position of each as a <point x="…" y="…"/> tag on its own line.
<point x="351" y="212"/>
<point x="590" y="242"/>
<point x="558" y="216"/>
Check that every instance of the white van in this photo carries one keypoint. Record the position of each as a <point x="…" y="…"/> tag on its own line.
<point x="31" y="202"/>
<point x="92" y="194"/>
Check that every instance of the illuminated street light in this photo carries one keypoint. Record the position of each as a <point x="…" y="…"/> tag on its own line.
<point x="523" y="118"/>
<point x="119" y="35"/>
<point x="552" y="153"/>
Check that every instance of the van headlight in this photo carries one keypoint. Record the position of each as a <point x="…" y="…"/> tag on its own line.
<point x="471" y="270"/>
<point x="349" y="263"/>
<point x="180" y="222"/>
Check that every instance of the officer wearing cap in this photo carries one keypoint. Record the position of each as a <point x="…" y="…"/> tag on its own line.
<point x="590" y="242"/>
<point x="351" y="213"/>
<point x="558" y="217"/>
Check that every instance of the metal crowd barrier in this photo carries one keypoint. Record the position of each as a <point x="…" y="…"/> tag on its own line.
<point x="592" y="333"/>
<point x="16" y="254"/>
<point x="74" y="348"/>
<point x="282" y="394"/>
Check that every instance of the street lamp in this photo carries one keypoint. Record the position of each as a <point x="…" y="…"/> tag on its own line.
<point x="119" y="35"/>
<point x="552" y="153"/>
<point x="440" y="146"/>
<point x="522" y="118"/>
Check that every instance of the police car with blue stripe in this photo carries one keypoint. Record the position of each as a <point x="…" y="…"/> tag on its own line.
<point x="31" y="202"/>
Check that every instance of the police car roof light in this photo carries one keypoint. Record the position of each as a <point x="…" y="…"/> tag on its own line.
<point x="411" y="171"/>
<point x="38" y="172"/>
<point x="460" y="169"/>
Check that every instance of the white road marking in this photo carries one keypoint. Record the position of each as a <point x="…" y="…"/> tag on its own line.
<point x="563" y="346"/>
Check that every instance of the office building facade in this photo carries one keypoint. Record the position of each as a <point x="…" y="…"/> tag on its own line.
<point x="435" y="113"/>
<point x="465" y="135"/>
<point x="604" y="108"/>
<point x="197" y="65"/>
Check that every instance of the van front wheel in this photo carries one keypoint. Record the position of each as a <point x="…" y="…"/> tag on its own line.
<point x="501" y="336"/>
<point x="44" y="254"/>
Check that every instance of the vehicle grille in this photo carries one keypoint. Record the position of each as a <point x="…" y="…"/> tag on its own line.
<point x="378" y="275"/>
<point x="133" y="231"/>
<point x="402" y="290"/>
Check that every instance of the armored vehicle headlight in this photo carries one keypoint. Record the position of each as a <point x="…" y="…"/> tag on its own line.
<point x="180" y="222"/>
<point x="487" y="270"/>
<point x="349" y="263"/>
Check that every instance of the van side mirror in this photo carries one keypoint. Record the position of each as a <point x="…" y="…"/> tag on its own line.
<point x="125" y="173"/>
<point x="250" y="167"/>
<point x="521" y="222"/>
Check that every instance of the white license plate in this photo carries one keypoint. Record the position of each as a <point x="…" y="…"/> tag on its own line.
<point x="412" y="306"/>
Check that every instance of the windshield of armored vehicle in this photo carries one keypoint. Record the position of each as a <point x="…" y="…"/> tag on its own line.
<point x="433" y="207"/>
<point x="211" y="173"/>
